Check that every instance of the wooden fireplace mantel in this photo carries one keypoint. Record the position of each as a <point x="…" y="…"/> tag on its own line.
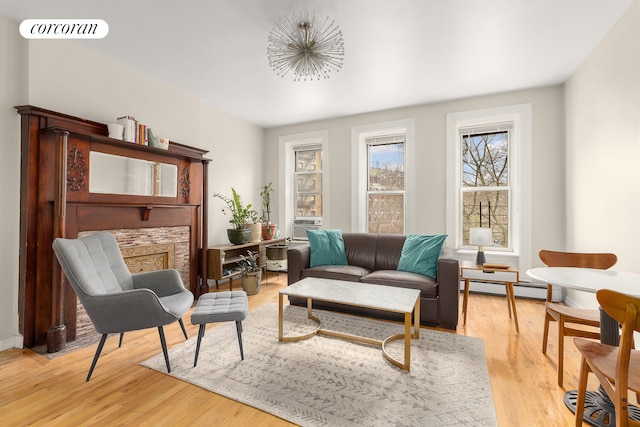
<point x="55" y="201"/>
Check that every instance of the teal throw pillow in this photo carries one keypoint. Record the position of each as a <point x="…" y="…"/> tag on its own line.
<point x="327" y="247"/>
<point x="420" y="254"/>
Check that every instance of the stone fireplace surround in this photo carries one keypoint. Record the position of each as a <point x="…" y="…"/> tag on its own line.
<point x="140" y="238"/>
<point x="144" y="249"/>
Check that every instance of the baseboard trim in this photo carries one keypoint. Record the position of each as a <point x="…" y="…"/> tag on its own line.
<point x="15" y="341"/>
<point x="522" y="290"/>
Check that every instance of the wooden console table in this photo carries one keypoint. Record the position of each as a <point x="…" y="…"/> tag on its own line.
<point x="223" y="258"/>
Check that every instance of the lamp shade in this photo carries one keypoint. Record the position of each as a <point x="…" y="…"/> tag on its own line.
<point x="480" y="236"/>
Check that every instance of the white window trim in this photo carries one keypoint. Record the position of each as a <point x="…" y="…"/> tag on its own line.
<point x="359" y="135"/>
<point x="521" y="151"/>
<point x="285" y="178"/>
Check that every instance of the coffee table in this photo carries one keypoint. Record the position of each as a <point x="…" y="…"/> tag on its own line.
<point x="386" y="298"/>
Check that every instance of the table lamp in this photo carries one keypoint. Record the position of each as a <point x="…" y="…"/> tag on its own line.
<point x="480" y="236"/>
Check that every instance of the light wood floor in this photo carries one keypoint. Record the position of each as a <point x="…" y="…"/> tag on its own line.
<point x="36" y="390"/>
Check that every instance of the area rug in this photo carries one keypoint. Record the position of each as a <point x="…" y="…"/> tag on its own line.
<point x="325" y="381"/>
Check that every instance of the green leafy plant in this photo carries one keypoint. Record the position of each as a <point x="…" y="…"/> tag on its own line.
<point x="266" y="191"/>
<point x="240" y="215"/>
<point x="249" y="263"/>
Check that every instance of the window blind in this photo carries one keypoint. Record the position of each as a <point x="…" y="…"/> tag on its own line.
<point x="484" y="129"/>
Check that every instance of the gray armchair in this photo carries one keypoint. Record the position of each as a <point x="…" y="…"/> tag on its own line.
<point x="115" y="300"/>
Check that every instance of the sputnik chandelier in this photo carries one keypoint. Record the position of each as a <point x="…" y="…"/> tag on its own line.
<point x="310" y="52"/>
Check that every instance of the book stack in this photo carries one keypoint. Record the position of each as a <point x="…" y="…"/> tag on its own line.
<point x="134" y="131"/>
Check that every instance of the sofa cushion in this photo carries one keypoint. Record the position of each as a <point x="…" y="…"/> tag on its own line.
<point x="388" y="251"/>
<point x="350" y="273"/>
<point x="327" y="247"/>
<point x="361" y="249"/>
<point x="420" y="254"/>
<point x="426" y="285"/>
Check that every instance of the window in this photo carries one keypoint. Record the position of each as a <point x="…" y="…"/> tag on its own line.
<point x="385" y="184"/>
<point x="489" y="161"/>
<point x="383" y="177"/>
<point x="303" y="181"/>
<point x="485" y="191"/>
<point x="308" y="181"/>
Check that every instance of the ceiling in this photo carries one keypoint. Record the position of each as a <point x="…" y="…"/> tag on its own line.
<point x="397" y="53"/>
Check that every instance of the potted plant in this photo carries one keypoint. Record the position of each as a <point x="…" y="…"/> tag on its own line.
<point x="251" y="273"/>
<point x="240" y="217"/>
<point x="268" y="229"/>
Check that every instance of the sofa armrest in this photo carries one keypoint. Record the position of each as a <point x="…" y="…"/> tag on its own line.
<point x="448" y="287"/>
<point x="298" y="258"/>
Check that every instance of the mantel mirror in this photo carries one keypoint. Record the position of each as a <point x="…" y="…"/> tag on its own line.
<point x="112" y="174"/>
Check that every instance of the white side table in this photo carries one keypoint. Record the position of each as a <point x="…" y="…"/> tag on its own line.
<point x="508" y="275"/>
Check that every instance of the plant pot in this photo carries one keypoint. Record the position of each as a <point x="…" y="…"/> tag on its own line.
<point x="251" y="282"/>
<point x="269" y="231"/>
<point x="256" y="231"/>
<point x="239" y="236"/>
<point x="277" y="257"/>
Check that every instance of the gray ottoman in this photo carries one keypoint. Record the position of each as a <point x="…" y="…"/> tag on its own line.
<point x="220" y="307"/>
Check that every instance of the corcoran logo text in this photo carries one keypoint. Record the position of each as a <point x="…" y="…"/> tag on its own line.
<point x="64" y="29"/>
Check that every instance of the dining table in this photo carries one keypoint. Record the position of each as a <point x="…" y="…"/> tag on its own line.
<point x="599" y="410"/>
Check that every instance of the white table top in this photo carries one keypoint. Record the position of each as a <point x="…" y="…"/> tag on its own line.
<point x="588" y="279"/>
<point x="389" y="298"/>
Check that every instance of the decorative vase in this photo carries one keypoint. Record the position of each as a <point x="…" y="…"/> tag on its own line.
<point x="251" y="282"/>
<point x="256" y="231"/>
<point x="268" y="231"/>
<point x="239" y="236"/>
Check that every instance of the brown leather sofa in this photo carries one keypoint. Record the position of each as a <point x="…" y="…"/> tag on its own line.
<point x="373" y="258"/>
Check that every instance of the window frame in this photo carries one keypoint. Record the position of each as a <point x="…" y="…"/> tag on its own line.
<point x="488" y="128"/>
<point x="298" y="149"/>
<point x="359" y="168"/>
<point x="389" y="139"/>
<point x="520" y="174"/>
<point x="286" y="177"/>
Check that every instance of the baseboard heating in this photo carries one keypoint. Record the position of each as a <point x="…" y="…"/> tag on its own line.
<point x="522" y="290"/>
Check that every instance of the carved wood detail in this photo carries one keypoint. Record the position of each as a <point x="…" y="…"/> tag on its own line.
<point x="76" y="168"/>
<point x="185" y="182"/>
<point x="149" y="258"/>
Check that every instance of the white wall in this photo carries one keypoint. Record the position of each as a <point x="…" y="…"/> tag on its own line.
<point x="603" y="150"/>
<point x="237" y="154"/>
<point x="430" y="151"/>
<point x="63" y="76"/>
<point x="13" y="90"/>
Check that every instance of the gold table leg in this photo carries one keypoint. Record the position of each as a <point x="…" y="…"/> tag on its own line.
<point x="281" y="336"/>
<point x="407" y="335"/>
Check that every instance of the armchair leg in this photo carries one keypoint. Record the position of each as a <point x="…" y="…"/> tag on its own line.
<point x="184" y="331"/>
<point x="239" y="330"/>
<point x="121" y="337"/>
<point x="97" y="355"/>
<point x="164" y="348"/>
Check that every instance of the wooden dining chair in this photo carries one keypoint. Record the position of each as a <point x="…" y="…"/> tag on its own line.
<point x="617" y="368"/>
<point x="565" y="315"/>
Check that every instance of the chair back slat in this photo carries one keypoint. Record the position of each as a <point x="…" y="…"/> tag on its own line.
<point x="601" y="261"/>
<point x="619" y="305"/>
<point x="624" y="309"/>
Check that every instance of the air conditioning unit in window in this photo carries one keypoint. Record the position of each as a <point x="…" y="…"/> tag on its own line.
<point x="300" y="227"/>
